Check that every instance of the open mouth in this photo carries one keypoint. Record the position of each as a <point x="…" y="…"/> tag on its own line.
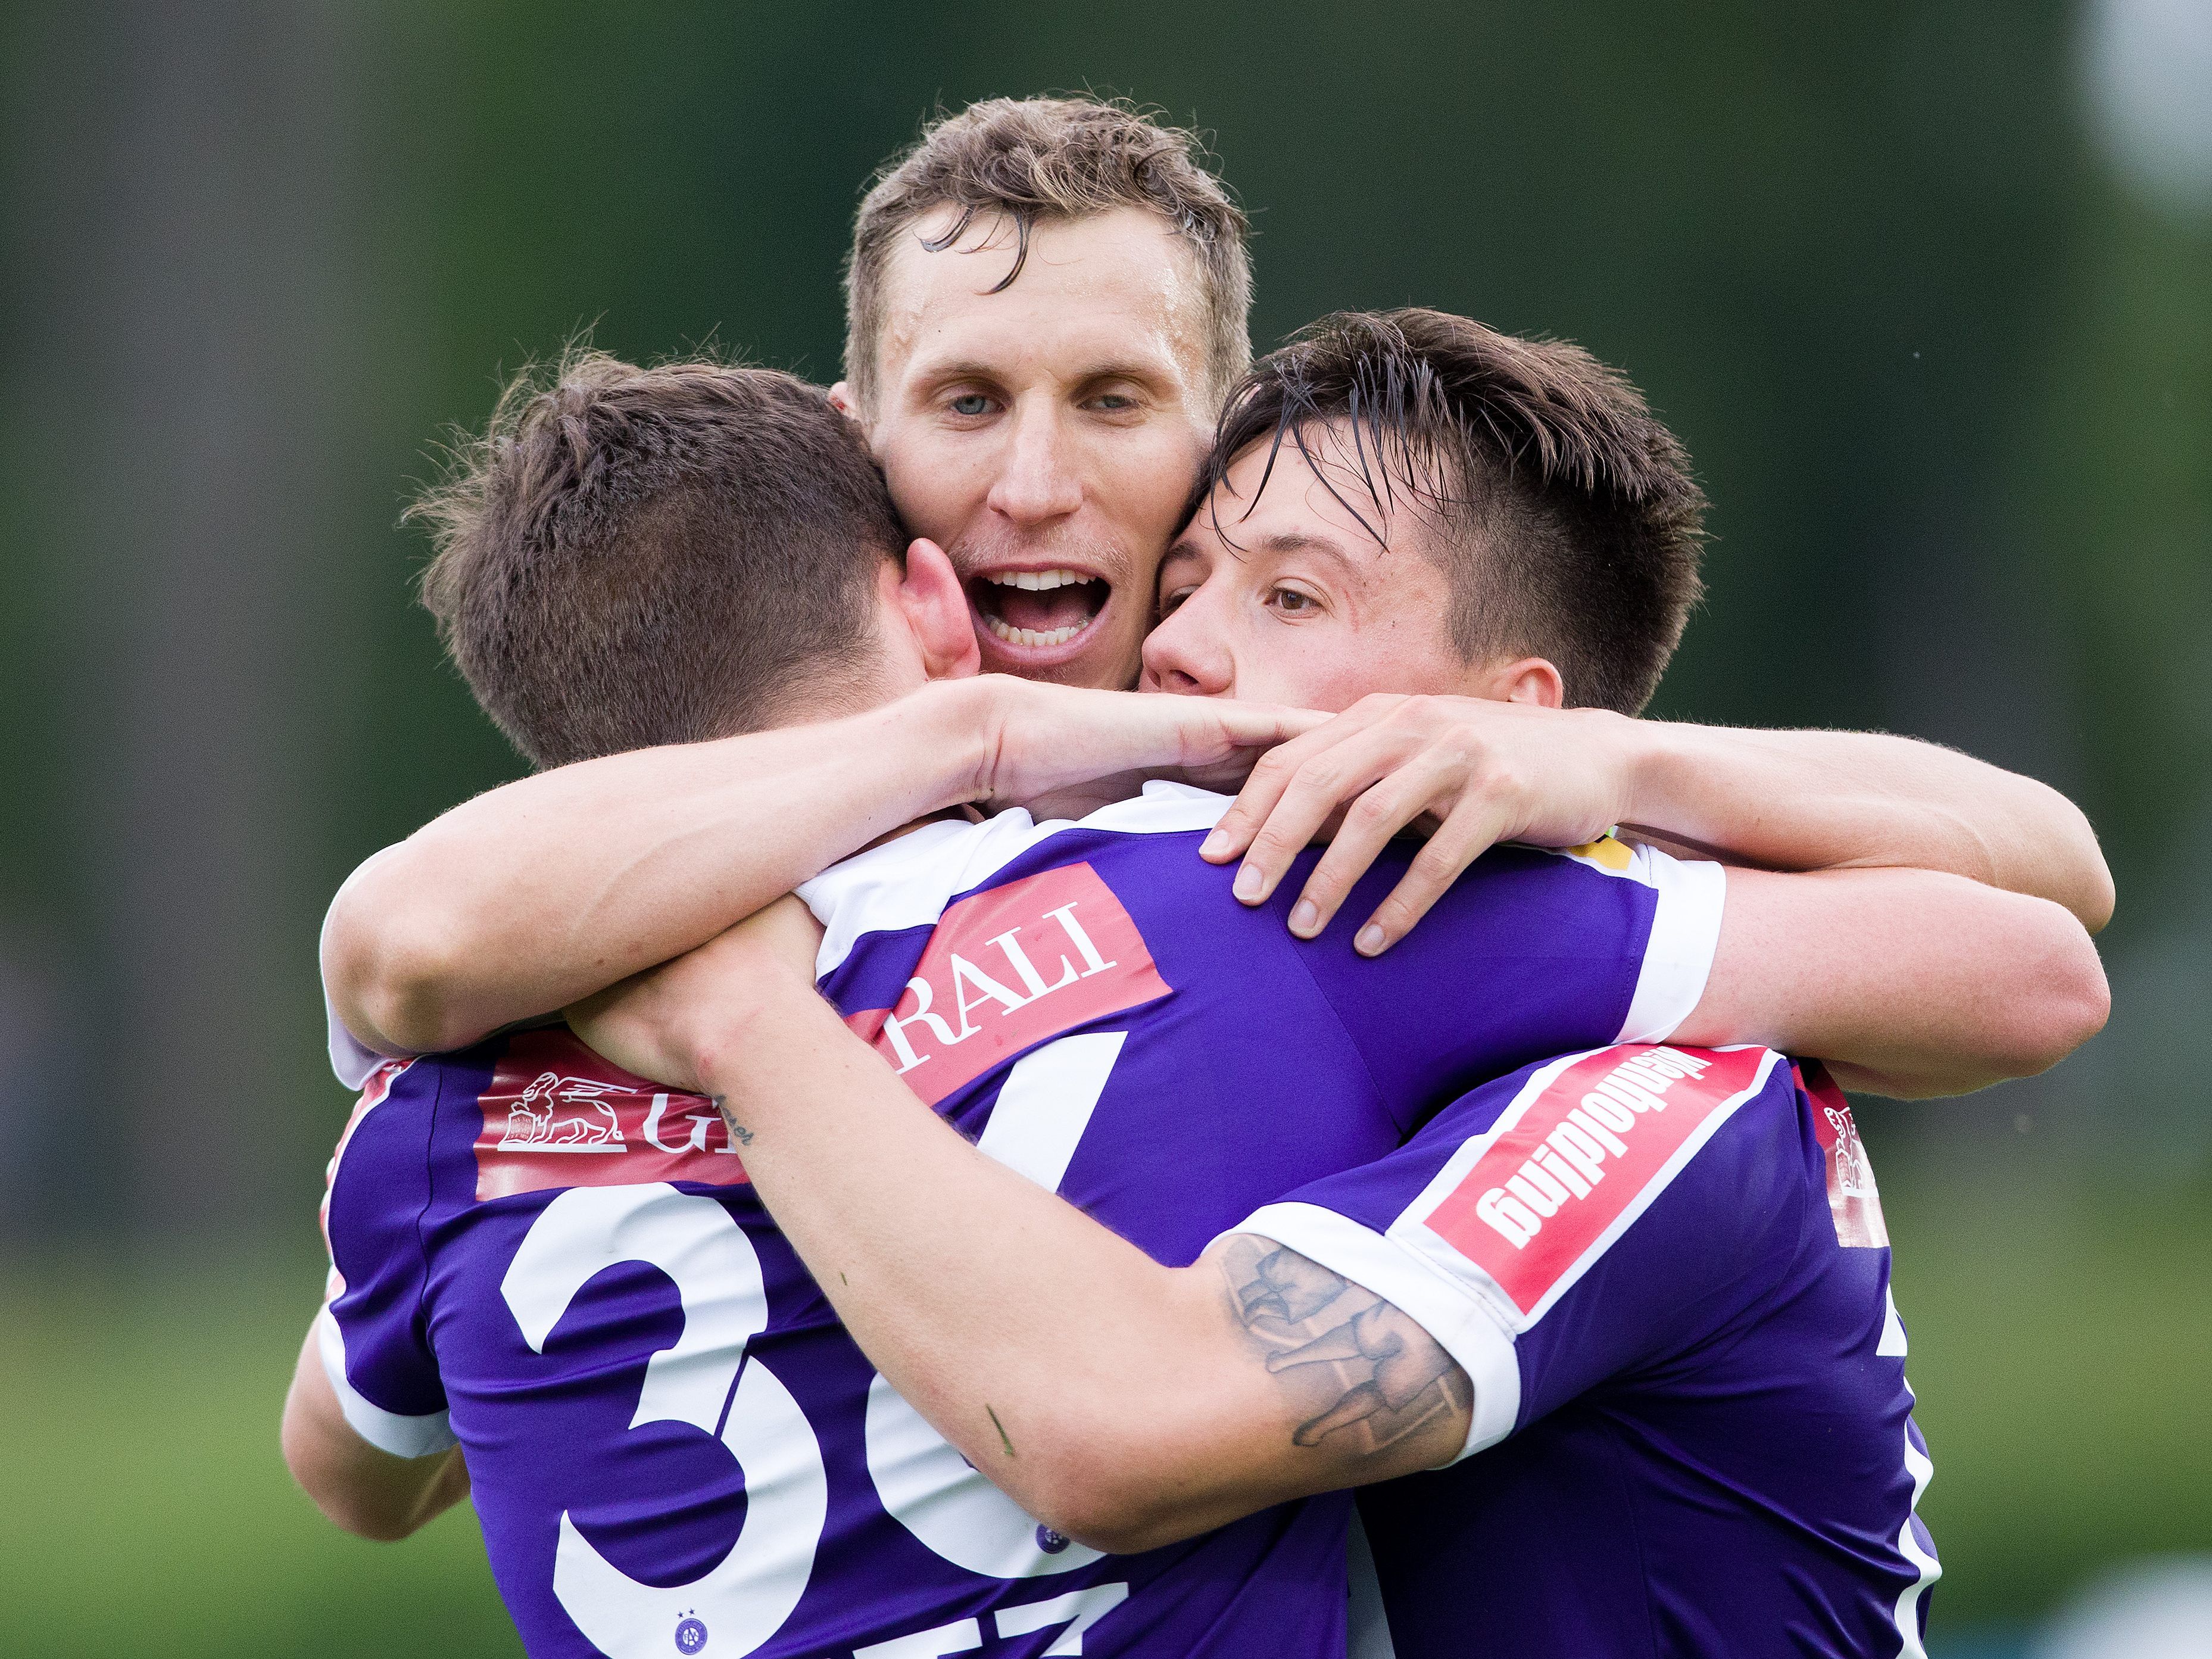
<point x="1038" y="609"/>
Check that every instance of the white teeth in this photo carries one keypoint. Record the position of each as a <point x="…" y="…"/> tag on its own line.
<point x="1033" y="635"/>
<point x="1038" y="581"/>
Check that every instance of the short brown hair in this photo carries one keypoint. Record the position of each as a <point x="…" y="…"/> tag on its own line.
<point x="1571" y="527"/>
<point x="1045" y="158"/>
<point x="631" y="556"/>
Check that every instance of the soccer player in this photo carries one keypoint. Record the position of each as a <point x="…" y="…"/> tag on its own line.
<point x="670" y="1437"/>
<point x="1047" y="305"/>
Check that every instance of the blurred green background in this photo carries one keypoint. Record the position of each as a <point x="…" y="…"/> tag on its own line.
<point x="1926" y="287"/>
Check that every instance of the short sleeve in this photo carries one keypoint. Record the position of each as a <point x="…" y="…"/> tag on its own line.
<point x="1531" y="953"/>
<point x="372" y="1334"/>
<point x="1560" y="1225"/>
<point x="353" y="1060"/>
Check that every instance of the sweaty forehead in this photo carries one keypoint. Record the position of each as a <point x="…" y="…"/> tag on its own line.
<point x="1117" y="288"/>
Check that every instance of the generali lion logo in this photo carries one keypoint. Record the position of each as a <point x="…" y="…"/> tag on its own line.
<point x="560" y="1114"/>
<point x="551" y="1098"/>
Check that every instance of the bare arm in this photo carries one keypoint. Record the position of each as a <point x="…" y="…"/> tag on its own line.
<point x="1122" y="1402"/>
<point x="364" y="1490"/>
<point x="1482" y="772"/>
<point x="548" y="889"/>
<point x="1907" y="982"/>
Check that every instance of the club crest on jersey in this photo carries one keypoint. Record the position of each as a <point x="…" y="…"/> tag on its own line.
<point x="1581" y="1154"/>
<point x="1006" y="969"/>
<point x="557" y="1114"/>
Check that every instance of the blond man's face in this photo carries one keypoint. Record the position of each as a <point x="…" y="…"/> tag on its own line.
<point x="1046" y="435"/>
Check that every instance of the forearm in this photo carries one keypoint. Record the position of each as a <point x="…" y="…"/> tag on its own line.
<point x="1033" y="1338"/>
<point x="1810" y="800"/>
<point x="365" y="1491"/>
<point x="544" y="891"/>
<point x="1908" y="982"/>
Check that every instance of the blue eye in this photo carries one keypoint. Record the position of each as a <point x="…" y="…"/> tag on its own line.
<point x="971" y="403"/>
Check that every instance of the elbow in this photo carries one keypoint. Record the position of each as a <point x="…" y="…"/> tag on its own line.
<point x="2062" y="1001"/>
<point x="348" y="1503"/>
<point x="392" y="980"/>
<point x="1105" y="1510"/>
<point x="1120" y="1494"/>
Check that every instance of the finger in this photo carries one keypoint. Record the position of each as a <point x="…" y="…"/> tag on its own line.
<point x="1271" y="776"/>
<point x="1468" y="832"/>
<point x="1259" y="725"/>
<point x="1330" y="780"/>
<point x="1371" y="823"/>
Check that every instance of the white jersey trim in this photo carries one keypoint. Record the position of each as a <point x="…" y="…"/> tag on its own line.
<point x="388" y="1431"/>
<point x="909" y="882"/>
<point x="1464" y="1325"/>
<point x="1685" y="931"/>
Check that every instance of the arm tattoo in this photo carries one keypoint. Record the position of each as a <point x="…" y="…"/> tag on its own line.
<point x="739" y="1132"/>
<point x="1364" y="1370"/>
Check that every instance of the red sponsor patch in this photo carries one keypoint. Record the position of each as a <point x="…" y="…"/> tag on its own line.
<point x="1007" y="968"/>
<point x="1853" y="1199"/>
<point x="1579" y="1153"/>
<point x="557" y="1114"/>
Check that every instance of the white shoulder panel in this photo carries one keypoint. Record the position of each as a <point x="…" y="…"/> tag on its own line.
<point x="907" y="882"/>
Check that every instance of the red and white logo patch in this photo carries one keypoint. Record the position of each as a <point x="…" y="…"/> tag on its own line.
<point x="1007" y="968"/>
<point x="1853" y="1199"/>
<point x="1587" y="1148"/>
<point x="557" y="1114"/>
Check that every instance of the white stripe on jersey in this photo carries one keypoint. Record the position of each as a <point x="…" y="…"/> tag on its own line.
<point x="1921" y="1468"/>
<point x="388" y="1431"/>
<point x="908" y="883"/>
<point x="1686" y="930"/>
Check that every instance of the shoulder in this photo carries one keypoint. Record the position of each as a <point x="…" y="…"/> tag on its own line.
<point x="909" y="883"/>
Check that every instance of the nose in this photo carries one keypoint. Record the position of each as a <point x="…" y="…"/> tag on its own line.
<point x="1039" y="481"/>
<point x="1187" y="655"/>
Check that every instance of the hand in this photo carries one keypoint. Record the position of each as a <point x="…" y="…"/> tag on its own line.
<point x="1480" y="771"/>
<point x="664" y="1023"/>
<point x="1045" y="738"/>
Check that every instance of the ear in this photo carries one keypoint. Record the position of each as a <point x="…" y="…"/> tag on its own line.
<point x="935" y="605"/>
<point x="841" y="400"/>
<point x="1530" y="680"/>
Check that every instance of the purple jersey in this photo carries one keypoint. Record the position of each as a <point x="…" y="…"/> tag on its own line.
<point x="673" y="1444"/>
<point x="1666" y="1273"/>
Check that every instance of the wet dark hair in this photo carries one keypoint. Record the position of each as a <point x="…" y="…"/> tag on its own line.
<point x="1568" y="525"/>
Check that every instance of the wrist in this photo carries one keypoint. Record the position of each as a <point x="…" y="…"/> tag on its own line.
<point x="944" y="736"/>
<point x="960" y="737"/>
<point x="1642" y="760"/>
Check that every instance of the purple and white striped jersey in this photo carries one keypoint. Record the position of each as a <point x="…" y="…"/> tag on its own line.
<point x="1665" y="1273"/>
<point x="673" y="1445"/>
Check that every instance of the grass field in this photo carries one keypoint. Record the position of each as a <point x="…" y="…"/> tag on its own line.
<point x="2062" y="1352"/>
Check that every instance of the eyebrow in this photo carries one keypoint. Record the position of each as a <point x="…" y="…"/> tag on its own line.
<point x="969" y="368"/>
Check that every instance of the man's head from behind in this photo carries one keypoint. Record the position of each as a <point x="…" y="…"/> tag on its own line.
<point x="1410" y="502"/>
<point x="1046" y="303"/>
<point x="632" y="556"/>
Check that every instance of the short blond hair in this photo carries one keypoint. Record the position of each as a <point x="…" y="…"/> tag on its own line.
<point x="1032" y="158"/>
